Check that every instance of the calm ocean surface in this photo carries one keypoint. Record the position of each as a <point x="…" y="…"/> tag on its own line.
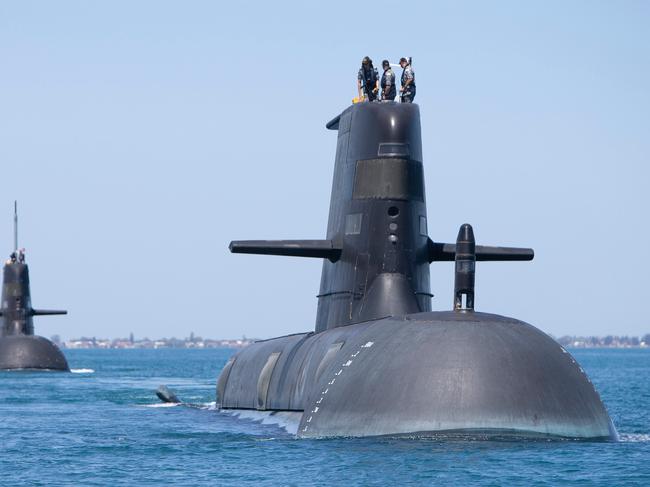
<point x="106" y="427"/>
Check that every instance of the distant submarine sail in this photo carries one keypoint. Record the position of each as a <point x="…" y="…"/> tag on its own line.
<point x="19" y="347"/>
<point x="380" y="362"/>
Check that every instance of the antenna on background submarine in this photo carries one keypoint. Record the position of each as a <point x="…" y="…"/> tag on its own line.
<point x="15" y="226"/>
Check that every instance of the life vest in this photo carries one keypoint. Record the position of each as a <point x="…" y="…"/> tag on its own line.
<point x="403" y="80"/>
<point x="369" y="76"/>
<point x="389" y="75"/>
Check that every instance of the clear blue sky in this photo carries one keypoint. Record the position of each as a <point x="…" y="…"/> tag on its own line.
<point x="141" y="137"/>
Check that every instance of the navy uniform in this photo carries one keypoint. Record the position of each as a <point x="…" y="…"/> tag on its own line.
<point x="409" y="92"/>
<point x="388" y="88"/>
<point x="368" y="77"/>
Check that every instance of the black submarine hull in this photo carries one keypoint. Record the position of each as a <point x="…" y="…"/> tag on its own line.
<point x="421" y="374"/>
<point x="19" y="347"/>
<point x="380" y="362"/>
<point x="30" y="352"/>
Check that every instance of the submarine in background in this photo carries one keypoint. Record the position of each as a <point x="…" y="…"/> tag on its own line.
<point x="380" y="362"/>
<point x="19" y="347"/>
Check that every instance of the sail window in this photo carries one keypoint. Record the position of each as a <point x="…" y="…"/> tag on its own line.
<point x="396" y="179"/>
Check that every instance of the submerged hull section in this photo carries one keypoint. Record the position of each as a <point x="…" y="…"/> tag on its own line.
<point x="420" y="374"/>
<point x="30" y="352"/>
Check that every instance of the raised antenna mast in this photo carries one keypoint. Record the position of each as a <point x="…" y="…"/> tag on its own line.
<point x="15" y="226"/>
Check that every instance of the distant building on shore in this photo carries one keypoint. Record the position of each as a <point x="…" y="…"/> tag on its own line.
<point x="193" y="341"/>
<point x="146" y="343"/>
<point x="609" y="341"/>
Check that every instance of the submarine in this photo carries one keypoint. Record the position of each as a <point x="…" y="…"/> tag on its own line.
<point x="20" y="349"/>
<point x="380" y="361"/>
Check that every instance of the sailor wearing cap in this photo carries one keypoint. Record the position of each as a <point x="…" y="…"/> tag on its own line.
<point x="407" y="92"/>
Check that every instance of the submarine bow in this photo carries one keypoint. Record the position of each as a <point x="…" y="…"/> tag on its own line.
<point x="379" y="361"/>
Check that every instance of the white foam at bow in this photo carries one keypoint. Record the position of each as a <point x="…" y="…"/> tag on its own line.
<point x="634" y="438"/>
<point x="287" y="420"/>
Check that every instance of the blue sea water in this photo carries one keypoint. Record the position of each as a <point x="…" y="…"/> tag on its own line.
<point x="103" y="425"/>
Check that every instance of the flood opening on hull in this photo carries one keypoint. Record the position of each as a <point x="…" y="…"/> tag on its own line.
<point x="290" y="422"/>
<point x="496" y="435"/>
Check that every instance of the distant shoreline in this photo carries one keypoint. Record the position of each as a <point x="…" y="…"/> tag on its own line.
<point x="147" y="344"/>
<point x="609" y="341"/>
<point x="192" y="342"/>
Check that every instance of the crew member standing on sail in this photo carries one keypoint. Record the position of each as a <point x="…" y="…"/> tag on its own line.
<point x="388" y="90"/>
<point x="368" y="80"/>
<point x="407" y="92"/>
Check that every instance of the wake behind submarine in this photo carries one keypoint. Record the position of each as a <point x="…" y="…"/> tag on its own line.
<point x="19" y="347"/>
<point x="380" y="362"/>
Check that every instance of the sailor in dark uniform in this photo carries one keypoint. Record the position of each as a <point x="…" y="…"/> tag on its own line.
<point x="388" y="89"/>
<point x="368" y="80"/>
<point x="407" y="92"/>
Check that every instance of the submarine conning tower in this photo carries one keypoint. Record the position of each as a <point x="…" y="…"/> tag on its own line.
<point x="377" y="217"/>
<point x="377" y="252"/>
<point x="16" y="309"/>
<point x="19" y="347"/>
